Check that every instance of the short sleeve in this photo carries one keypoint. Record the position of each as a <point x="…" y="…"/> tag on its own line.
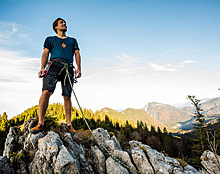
<point x="47" y="43"/>
<point x="75" y="46"/>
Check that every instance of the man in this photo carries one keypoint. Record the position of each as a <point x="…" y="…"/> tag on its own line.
<point x="62" y="49"/>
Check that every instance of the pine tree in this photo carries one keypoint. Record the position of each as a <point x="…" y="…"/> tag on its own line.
<point x="168" y="145"/>
<point x="199" y="139"/>
<point x="4" y="122"/>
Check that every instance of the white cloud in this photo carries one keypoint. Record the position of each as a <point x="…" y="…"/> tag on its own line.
<point x="18" y="82"/>
<point x="187" y="62"/>
<point x="167" y="67"/>
<point x="125" y="82"/>
<point x="10" y="32"/>
<point x="129" y="65"/>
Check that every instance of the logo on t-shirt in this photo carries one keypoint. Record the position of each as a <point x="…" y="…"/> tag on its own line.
<point x="64" y="45"/>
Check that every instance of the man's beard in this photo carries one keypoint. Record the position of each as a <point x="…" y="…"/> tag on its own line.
<point x="64" y="30"/>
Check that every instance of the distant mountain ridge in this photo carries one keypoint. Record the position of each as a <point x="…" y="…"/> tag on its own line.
<point x="132" y="115"/>
<point x="211" y="111"/>
<point x="167" y="114"/>
<point x="186" y="104"/>
<point x="211" y="106"/>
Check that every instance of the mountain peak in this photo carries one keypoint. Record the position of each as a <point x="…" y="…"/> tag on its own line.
<point x="166" y="114"/>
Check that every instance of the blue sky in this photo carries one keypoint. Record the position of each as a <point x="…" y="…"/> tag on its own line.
<point x="133" y="52"/>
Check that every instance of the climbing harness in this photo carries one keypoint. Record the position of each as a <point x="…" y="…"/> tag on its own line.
<point x="98" y="141"/>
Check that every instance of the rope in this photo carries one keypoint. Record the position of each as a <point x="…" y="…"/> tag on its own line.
<point x="98" y="141"/>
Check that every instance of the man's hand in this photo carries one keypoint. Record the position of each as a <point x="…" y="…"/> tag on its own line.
<point x="41" y="73"/>
<point x="78" y="73"/>
<point x="78" y="62"/>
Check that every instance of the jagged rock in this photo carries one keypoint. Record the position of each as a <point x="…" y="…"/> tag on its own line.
<point x="53" y="157"/>
<point x="141" y="161"/>
<point x="110" y="142"/>
<point x="117" y="144"/>
<point x="31" y="141"/>
<point x="157" y="160"/>
<point x="134" y="144"/>
<point x="52" y="154"/>
<point x="101" y="134"/>
<point x="78" y="152"/>
<point x="125" y="158"/>
<point x="159" y="163"/>
<point x="203" y="171"/>
<point x="65" y="163"/>
<point x="178" y="170"/>
<point x="5" y="167"/>
<point x="210" y="162"/>
<point x="190" y="170"/>
<point x="27" y="126"/>
<point x="114" y="167"/>
<point x="86" y="168"/>
<point x="11" y="141"/>
<point x="186" y="170"/>
<point x="98" y="159"/>
<point x="75" y="149"/>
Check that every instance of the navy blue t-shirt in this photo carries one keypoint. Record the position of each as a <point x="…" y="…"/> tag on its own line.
<point x="62" y="49"/>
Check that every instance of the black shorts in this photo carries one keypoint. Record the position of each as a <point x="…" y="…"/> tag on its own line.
<point x="54" y="75"/>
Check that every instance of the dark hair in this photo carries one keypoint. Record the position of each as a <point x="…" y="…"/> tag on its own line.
<point x="55" y="23"/>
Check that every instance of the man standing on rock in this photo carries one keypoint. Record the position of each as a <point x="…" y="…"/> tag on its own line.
<point x="62" y="49"/>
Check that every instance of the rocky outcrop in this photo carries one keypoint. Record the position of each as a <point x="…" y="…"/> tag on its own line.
<point x="60" y="153"/>
<point x="98" y="159"/>
<point x="155" y="162"/>
<point x="211" y="162"/>
<point x="53" y="157"/>
<point x="11" y="141"/>
<point x="5" y="167"/>
<point x="114" y="167"/>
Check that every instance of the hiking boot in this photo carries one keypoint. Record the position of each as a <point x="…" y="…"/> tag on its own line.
<point x="37" y="129"/>
<point x="71" y="130"/>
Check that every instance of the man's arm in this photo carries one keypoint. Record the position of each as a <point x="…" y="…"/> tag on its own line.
<point x="78" y="63"/>
<point x="44" y="60"/>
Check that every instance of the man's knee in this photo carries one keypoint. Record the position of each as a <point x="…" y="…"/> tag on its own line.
<point x="67" y="98"/>
<point x="47" y="93"/>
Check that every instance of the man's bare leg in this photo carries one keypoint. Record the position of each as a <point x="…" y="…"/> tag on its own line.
<point x="43" y="104"/>
<point x="68" y="109"/>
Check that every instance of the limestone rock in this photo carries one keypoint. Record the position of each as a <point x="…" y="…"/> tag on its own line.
<point x="76" y="149"/>
<point x="53" y="157"/>
<point x="11" y="141"/>
<point x="101" y="134"/>
<point x="31" y="141"/>
<point x="210" y="162"/>
<point x="159" y="163"/>
<point x="52" y="154"/>
<point x="5" y="167"/>
<point x="65" y="163"/>
<point x="125" y="158"/>
<point x="98" y="159"/>
<point x="141" y="161"/>
<point x="117" y="144"/>
<point x="190" y="170"/>
<point x="78" y="152"/>
<point x="113" y="167"/>
<point x="110" y="142"/>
